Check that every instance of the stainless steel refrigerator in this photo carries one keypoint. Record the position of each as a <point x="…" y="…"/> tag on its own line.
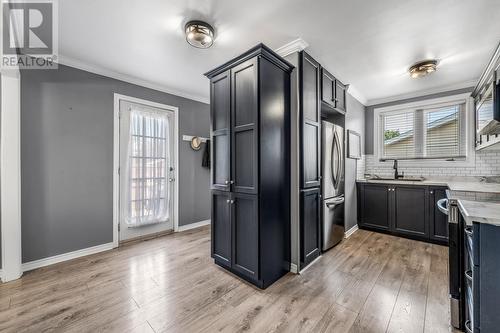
<point x="333" y="170"/>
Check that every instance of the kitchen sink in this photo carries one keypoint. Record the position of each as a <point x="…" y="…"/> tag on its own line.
<point x="406" y="179"/>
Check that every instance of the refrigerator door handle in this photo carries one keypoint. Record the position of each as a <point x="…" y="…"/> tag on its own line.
<point x="334" y="203"/>
<point x="336" y="165"/>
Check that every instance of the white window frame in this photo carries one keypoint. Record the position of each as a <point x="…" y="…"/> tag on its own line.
<point x="470" y="159"/>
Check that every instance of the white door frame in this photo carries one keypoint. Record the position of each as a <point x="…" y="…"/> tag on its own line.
<point x="10" y="156"/>
<point x="116" y="158"/>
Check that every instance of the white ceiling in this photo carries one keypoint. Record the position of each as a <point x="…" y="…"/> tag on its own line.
<point x="369" y="44"/>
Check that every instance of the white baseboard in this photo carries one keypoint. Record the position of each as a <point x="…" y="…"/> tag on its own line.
<point x="193" y="225"/>
<point x="294" y="268"/>
<point x="1" y="275"/>
<point x="28" y="266"/>
<point x="351" y="231"/>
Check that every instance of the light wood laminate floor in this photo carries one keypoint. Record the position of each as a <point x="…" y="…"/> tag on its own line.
<point x="369" y="283"/>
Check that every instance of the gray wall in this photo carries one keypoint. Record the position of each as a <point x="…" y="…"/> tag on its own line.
<point x="355" y="120"/>
<point x="369" y="113"/>
<point x="67" y="159"/>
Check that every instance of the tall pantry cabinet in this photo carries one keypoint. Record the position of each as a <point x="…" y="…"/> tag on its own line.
<point x="250" y="136"/>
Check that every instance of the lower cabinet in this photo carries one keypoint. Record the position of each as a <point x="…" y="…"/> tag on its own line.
<point x="403" y="210"/>
<point x="481" y="276"/>
<point x="246" y="242"/>
<point x="245" y="235"/>
<point x="310" y="227"/>
<point x="374" y="206"/>
<point x="410" y="213"/>
<point x="221" y="228"/>
<point x="438" y="222"/>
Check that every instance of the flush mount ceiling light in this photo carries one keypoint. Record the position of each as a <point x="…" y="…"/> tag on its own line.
<point x="423" y="68"/>
<point x="199" y="34"/>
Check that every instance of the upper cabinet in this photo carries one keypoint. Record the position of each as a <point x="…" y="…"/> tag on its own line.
<point x="333" y="92"/>
<point x="487" y="104"/>
<point x="310" y="117"/>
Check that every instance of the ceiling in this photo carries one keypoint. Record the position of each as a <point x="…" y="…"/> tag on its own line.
<point x="369" y="44"/>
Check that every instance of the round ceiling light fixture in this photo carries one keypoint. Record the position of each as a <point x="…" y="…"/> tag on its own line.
<point x="199" y="34"/>
<point x="423" y="68"/>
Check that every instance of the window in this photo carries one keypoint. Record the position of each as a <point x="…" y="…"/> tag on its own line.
<point x="148" y="158"/>
<point x="424" y="132"/>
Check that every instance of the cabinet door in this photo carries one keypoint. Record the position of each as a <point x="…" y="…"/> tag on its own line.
<point x="438" y="222"/>
<point x="410" y="214"/>
<point x="220" y="106"/>
<point x="245" y="224"/>
<point x="340" y="96"/>
<point x="310" y="220"/>
<point x="244" y="127"/>
<point x="375" y="206"/>
<point x="221" y="228"/>
<point x="310" y="120"/>
<point x="327" y="88"/>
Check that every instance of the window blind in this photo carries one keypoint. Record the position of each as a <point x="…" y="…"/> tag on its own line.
<point x="425" y="133"/>
<point x="398" y="135"/>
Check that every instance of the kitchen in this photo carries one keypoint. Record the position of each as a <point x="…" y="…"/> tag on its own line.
<point x="282" y="166"/>
<point x="401" y="192"/>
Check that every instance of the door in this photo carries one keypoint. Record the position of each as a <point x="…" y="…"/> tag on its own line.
<point x="340" y="96"/>
<point x="327" y="88"/>
<point x="245" y="226"/>
<point x="375" y="206"/>
<point x="309" y="233"/>
<point x="438" y="221"/>
<point x="310" y="119"/>
<point x="245" y="159"/>
<point x="221" y="227"/>
<point x="147" y="170"/>
<point x="411" y="211"/>
<point x="220" y="109"/>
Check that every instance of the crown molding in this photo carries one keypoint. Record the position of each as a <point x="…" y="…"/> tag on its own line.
<point x="296" y="45"/>
<point x="421" y="93"/>
<point x="67" y="61"/>
<point x="356" y="94"/>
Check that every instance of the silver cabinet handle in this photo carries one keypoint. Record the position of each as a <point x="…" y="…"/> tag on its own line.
<point x="226" y="182"/>
<point x="431" y="192"/>
<point x="231" y="182"/>
<point x="171" y="179"/>
<point x="232" y="202"/>
<point x="228" y="201"/>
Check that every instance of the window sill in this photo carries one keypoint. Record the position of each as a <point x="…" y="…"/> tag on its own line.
<point x="468" y="163"/>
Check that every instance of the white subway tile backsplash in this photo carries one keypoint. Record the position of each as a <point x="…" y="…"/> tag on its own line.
<point x="487" y="164"/>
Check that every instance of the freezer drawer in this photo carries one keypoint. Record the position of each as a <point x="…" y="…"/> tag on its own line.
<point x="333" y="222"/>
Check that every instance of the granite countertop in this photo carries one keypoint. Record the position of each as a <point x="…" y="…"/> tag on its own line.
<point x="481" y="212"/>
<point x="457" y="184"/>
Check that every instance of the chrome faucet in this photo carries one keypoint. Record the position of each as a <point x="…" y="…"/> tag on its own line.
<point x="396" y="173"/>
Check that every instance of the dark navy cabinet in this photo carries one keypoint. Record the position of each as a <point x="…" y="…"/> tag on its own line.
<point x="403" y="210"/>
<point x="482" y="277"/>
<point x="438" y="222"/>
<point x="310" y="232"/>
<point x="250" y="135"/>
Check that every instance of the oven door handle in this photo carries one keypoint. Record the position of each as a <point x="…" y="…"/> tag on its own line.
<point x="442" y="205"/>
